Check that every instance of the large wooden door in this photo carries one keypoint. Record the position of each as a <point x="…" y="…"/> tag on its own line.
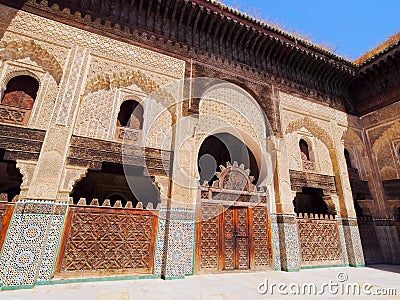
<point x="236" y="244"/>
<point x="232" y="232"/>
<point x="231" y="238"/>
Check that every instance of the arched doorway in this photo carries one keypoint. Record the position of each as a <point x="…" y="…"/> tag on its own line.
<point x="217" y="150"/>
<point x="112" y="183"/>
<point x="233" y="217"/>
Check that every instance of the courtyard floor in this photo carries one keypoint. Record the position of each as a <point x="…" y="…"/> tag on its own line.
<point x="338" y="283"/>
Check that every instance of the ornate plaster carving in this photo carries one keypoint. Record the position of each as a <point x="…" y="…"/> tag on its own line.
<point x="352" y="138"/>
<point x="73" y="176"/>
<point x="122" y="79"/>
<point x="390" y="134"/>
<point x="26" y="169"/>
<point x="15" y="50"/>
<point x="314" y="129"/>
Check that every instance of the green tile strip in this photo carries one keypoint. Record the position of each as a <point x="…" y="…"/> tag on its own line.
<point x="96" y="279"/>
<point x="357" y="266"/>
<point x="16" y="287"/>
<point x="324" y="266"/>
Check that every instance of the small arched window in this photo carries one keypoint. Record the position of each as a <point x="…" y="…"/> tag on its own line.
<point x="21" y="91"/>
<point x="304" y="152"/>
<point x="130" y="115"/>
<point x="348" y="160"/>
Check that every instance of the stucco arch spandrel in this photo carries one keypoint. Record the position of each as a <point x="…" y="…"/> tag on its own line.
<point x="15" y="50"/>
<point x="107" y="81"/>
<point x="390" y="134"/>
<point x="352" y="138"/>
<point x="20" y="72"/>
<point x="313" y="127"/>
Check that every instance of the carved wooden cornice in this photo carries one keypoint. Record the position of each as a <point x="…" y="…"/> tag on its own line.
<point x="21" y="143"/>
<point x="202" y="30"/>
<point x="377" y="83"/>
<point x="298" y="180"/>
<point x="91" y="153"/>
<point x="210" y="32"/>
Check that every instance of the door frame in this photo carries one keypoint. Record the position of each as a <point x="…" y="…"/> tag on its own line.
<point x="220" y="238"/>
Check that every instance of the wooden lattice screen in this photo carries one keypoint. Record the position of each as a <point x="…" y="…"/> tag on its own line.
<point x="319" y="241"/>
<point x="105" y="239"/>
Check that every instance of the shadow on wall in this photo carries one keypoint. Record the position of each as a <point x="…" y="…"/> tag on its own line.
<point x="387" y="268"/>
<point x="112" y="183"/>
<point x="310" y="201"/>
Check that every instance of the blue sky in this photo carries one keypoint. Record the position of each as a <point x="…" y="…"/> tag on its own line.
<point x="351" y="27"/>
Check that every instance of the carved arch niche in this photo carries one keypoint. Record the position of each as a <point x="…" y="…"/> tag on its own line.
<point x="384" y="150"/>
<point x="328" y="184"/>
<point x="356" y="148"/>
<point x="45" y="69"/>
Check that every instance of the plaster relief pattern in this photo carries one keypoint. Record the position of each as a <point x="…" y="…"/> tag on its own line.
<point x="40" y="28"/>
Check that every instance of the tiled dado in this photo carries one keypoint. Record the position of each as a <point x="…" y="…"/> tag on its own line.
<point x="285" y="243"/>
<point x="175" y="258"/>
<point x="350" y="238"/>
<point x="31" y="243"/>
<point x="275" y="243"/>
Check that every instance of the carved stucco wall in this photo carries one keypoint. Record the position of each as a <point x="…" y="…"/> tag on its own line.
<point x="323" y="127"/>
<point x="294" y="109"/>
<point x="382" y="130"/>
<point x="107" y="58"/>
<point x="101" y="102"/>
<point x="83" y="81"/>
<point x="383" y="134"/>
<point x="355" y="143"/>
<point x="225" y="108"/>
<point x="230" y="109"/>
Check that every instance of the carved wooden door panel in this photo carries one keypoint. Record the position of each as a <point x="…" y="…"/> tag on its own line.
<point x="207" y="239"/>
<point x="236" y="242"/>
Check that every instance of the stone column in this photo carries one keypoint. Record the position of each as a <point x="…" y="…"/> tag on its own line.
<point x="32" y="239"/>
<point x="285" y="241"/>
<point x="176" y="227"/>
<point x="348" y="228"/>
<point x="46" y="180"/>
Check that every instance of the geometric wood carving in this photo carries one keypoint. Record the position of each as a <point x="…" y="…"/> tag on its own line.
<point x="260" y="236"/>
<point x="242" y="238"/>
<point x="298" y="180"/>
<point x="319" y="242"/>
<point x="229" y="240"/>
<point x="209" y="237"/>
<point x="108" y="239"/>
<point x="236" y="238"/>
